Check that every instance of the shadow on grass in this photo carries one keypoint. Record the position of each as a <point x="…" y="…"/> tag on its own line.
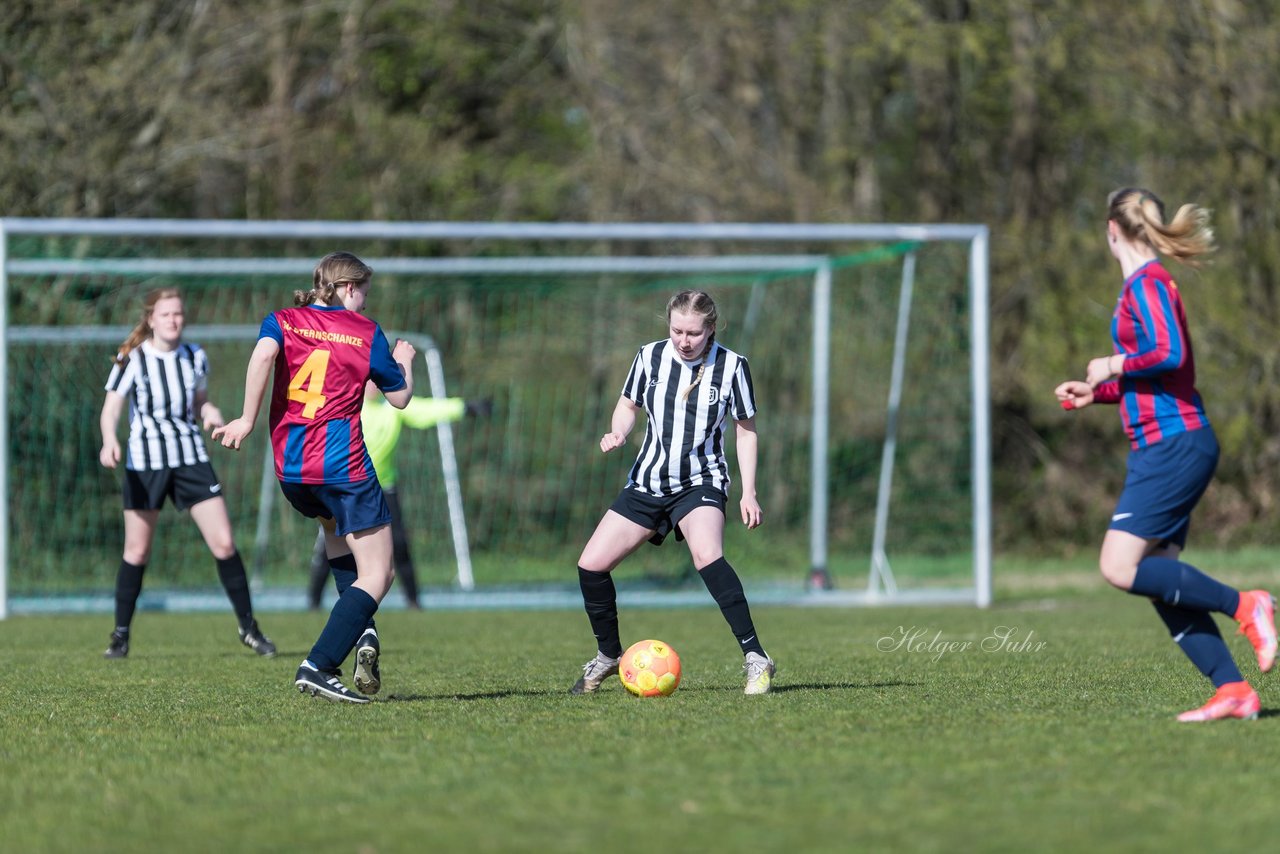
<point x="840" y="686"/>
<point x="556" y="692"/>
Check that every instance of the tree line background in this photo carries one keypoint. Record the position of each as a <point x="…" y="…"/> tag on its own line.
<point x="1020" y="114"/>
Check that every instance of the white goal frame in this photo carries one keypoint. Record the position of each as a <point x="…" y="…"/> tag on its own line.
<point x="881" y="587"/>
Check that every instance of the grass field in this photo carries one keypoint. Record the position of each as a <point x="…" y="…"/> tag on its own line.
<point x="1059" y="737"/>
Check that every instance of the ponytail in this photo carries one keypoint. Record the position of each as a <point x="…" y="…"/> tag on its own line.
<point x="1140" y="215"/>
<point x="334" y="269"/>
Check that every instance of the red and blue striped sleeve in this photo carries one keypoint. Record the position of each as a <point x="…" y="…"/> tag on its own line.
<point x="1159" y="336"/>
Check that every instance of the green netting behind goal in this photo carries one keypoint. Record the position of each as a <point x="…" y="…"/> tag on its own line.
<point x="551" y="351"/>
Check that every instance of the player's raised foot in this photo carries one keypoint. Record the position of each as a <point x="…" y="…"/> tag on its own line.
<point x="1233" y="700"/>
<point x="759" y="669"/>
<point x="1256" y="615"/>
<point x="318" y="683"/>
<point x="368" y="677"/>
<point x="594" y="672"/>
<point x="253" y="638"/>
<point x="117" y="646"/>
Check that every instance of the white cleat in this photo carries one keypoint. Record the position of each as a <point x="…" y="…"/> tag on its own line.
<point x="759" y="669"/>
<point x="594" y="672"/>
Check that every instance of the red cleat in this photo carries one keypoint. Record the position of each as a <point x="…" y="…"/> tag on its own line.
<point x="1257" y="618"/>
<point x="1233" y="700"/>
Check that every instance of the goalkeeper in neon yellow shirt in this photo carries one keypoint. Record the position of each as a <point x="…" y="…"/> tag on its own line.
<point x="381" y="424"/>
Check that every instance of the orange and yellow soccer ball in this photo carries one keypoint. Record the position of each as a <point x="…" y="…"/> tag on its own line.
<point x="650" y="669"/>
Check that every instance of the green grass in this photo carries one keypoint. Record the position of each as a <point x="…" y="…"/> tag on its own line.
<point x="193" y="744"/>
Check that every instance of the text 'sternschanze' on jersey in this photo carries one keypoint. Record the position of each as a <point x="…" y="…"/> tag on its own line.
<point x="327" y="353"/>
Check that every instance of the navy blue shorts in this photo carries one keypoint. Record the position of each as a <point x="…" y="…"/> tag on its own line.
<point x="662" y="513"/>
<point x="1164" y="484"/>
<point x="356" y="506"/>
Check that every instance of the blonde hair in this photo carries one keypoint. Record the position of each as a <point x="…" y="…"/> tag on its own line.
<point x="142" y="331"/>
<point x="700" y="303"/>
<point x="1140" y="215"/>
<point x="334" y="269"/>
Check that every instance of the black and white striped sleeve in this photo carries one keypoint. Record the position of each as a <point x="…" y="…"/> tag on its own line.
<point x="744" y="395"/>
<point x="122" y="377"/>
<point x="633" y="389"/>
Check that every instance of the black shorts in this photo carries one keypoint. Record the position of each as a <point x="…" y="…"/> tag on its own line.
<point x="184" y="486"/>
<point x="662" y="513"/>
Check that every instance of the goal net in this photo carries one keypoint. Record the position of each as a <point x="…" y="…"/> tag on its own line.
<point x="866" y="350"/>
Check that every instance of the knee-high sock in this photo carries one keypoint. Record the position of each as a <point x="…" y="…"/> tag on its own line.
<point x="344" y="573"/>
<point x="347" y="621"/>
<point x="1198" y="636"/>
<point x="128" y="587"/>
<point x="600" y="598"/>
<point x="726" y="589"/>
<point x="232" y="575"/>
<point x="1183" y="586"/>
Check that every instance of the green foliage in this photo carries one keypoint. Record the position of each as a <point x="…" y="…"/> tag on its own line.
<point x="1019" y="115"/>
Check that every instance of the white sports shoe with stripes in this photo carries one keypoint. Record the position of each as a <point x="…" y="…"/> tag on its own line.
<point x="318" y="683"/>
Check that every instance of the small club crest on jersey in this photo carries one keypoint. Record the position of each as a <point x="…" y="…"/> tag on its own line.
<point x="713" y="396"/>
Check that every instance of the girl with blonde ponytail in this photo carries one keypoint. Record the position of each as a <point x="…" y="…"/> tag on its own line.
<point x="1151" y="377"/>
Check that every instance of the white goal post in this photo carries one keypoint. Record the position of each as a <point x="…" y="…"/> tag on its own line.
<point x="881" y="584"/>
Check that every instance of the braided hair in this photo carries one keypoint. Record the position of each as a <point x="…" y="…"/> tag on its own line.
<point x="699" y="303"/>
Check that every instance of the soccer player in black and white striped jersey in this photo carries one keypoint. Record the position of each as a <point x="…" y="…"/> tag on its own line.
<point x="687" y="385"/>
<point x="165" y="382"/>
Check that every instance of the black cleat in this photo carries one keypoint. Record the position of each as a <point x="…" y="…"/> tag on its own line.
<point x="368" y="677"/>
<point x="327" y="685"/>
<point x="118" y="646"/>
<point x="253" y="638"/>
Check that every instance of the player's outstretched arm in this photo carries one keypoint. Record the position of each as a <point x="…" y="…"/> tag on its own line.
<point x="746" y="444"/>
<point x="255" y="389"/>
<point x="108" y="421"/>
<point x="624" y="418"/>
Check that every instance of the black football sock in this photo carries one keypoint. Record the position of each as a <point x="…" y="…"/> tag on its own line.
<point x="128" y="588"/>
<point x="600" y="598"/>
<point x="319" y="575"/>
<point x="236" y="583"/>
<point x="726" y="589"/>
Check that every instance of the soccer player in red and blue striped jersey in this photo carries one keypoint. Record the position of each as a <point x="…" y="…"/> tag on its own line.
<point x="323" y="352"/>
<point x="1156" y="383"/>
<point x="1173" y="451"/>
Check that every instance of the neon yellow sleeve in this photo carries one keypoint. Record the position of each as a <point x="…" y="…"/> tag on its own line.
<point x="424" y="412"/>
